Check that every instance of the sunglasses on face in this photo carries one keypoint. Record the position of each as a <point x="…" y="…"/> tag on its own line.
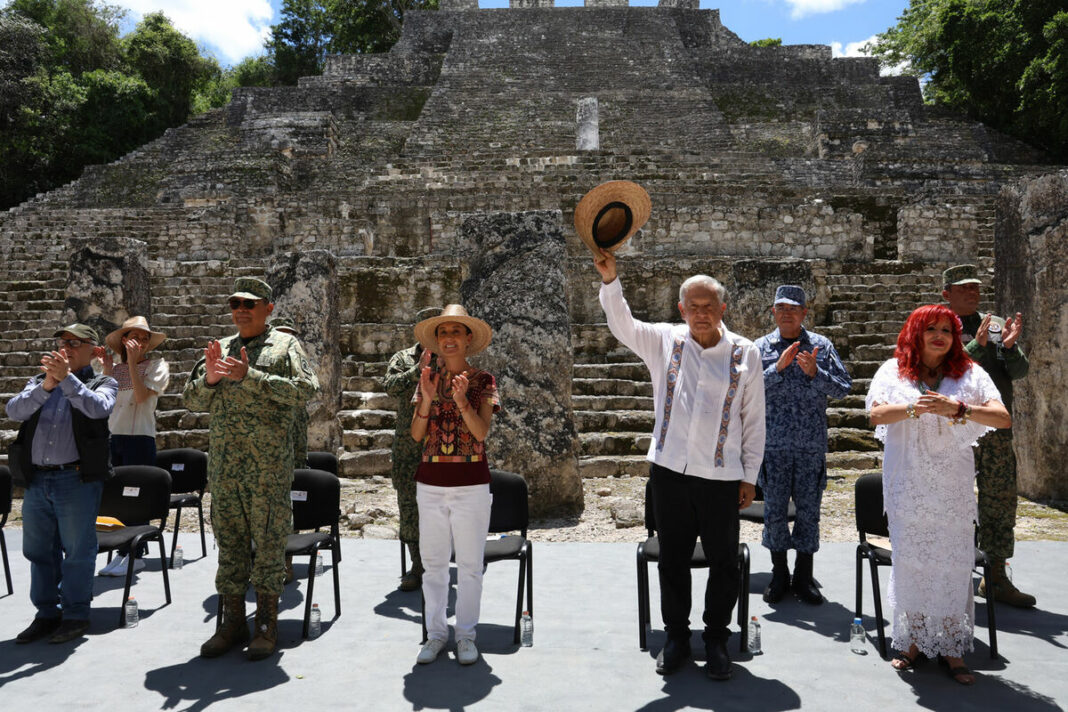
<point x="238" y="303"/>
<point x="71" y="343"/>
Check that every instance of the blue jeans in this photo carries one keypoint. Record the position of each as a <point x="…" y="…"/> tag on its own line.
<point x="59" y="540"/>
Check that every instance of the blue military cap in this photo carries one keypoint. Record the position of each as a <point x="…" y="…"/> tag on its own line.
<point x="790" y="294"/>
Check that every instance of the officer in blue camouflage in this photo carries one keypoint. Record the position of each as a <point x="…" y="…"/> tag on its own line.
<point x="992" y="342"/>
<point x="400" y="381"/>
<point x="801" y="370"/>
<point x="251" y="383"/>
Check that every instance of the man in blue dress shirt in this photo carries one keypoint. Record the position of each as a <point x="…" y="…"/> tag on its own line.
<point x="801" y="370"/>
<point x="61" y="457"/>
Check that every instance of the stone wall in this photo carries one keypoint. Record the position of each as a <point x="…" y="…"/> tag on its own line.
<point x="1031" y="244"/>
<point x="937" y="231"/>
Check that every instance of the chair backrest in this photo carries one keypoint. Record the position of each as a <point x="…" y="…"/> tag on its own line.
<point x="316" y="496"/>
<point x="5" y="493"/>
<point x="188" y="468"/>
<point x="137" y="494"/>
<point x="511" y="509"/>
<point x="326" y="461"/>
<point x="868" y="504"/>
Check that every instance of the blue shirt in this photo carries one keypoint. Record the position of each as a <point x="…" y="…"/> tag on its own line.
<point x="795" y="408"/>
<point x="53" y="441"/>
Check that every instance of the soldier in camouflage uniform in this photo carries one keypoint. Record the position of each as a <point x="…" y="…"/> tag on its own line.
<point x="400" y="381"/>
<point x="300" y="428"/>
<point x="251" y="383"/>
<point x="801" y="370"/>
<point x="992" y="342"/>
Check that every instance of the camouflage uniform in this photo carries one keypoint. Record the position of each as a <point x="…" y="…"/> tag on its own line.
<point x="995" y="460"/>
<point x="250" y="466"/>
<point x="301" y="417"/>
<point x="401" y="380"/>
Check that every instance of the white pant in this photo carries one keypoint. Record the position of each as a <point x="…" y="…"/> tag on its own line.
<point x="447" y="516"/>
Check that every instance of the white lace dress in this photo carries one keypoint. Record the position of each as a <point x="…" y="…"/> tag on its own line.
<point x="928" y="477"/>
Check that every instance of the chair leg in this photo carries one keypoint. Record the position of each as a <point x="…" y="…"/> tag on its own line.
<point x="860" y="584"/>
<point x="311" y="593"/>
<point x="743" y="601"/>
<point x="530" y="578"/>
<point x="7" y="564"/>
<point x="877" y="597"/>
<point x="991" y="619"/>
<point x="129" y="580"/>
<point x="519" y="600"/>
<point x="404" y="560"/>
<point x="643" y="600"/>
<point x="203" y="539"/>
<point x="163" y="566"/>
<point x="174" y="539"/>
<point x="336" y="549"/>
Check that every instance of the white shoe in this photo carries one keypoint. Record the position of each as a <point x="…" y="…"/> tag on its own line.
<point x="466" y="652"/>
<point x="118" y="565"/>
<point x="431" y="649"/>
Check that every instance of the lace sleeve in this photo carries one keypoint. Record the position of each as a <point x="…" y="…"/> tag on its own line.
<point x="886" y="387"/>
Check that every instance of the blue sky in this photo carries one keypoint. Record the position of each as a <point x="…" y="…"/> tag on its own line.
<point x="234" y="29"/>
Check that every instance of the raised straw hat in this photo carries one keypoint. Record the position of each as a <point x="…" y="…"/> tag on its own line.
<point x="611" y="213"/>
<point x="426" y="330"/>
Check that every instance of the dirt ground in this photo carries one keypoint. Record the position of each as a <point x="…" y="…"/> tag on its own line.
<point x="614" y="510"/>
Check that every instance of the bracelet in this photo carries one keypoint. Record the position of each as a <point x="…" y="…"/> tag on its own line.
<point x="963" y="417"/>
<point x="961" y="409"/>
<point x="910" y="411"/>
<point x="422" y="417"/>
<point x="464" y="409"/>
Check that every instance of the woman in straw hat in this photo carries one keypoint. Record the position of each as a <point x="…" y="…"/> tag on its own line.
<point x="454" y="407"/>
<point x="133" y="421"/>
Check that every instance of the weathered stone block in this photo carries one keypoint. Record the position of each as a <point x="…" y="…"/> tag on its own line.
<point x="1031" y="244"/>
<point x="306" y="291"/>
<point x="108" y="282"/>
<point x="588" y="136"/>
<point x="519" y="286"/>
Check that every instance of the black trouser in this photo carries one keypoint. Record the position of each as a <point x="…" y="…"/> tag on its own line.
<point x="688" y="507"/>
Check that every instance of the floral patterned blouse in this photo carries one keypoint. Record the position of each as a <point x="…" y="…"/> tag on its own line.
<point x="452" y="456"/>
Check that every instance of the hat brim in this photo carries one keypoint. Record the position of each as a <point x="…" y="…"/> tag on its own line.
<point x="247" y="295"/>
<point x="971" y="280"/>
<point x="595" y="205"/>
<point x="114" y="339"/>
<point x="481" y="333"/>
<point x="787" y="301"/>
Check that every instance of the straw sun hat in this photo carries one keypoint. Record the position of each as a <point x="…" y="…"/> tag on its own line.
<point x="114" y="339"/>
<point x="481" y="333"/>
<point x="611" y="213"/>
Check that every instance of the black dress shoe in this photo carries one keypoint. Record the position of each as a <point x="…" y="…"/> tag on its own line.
<point x="40" y="628"/>
<point x="780" y="584"/>
<point x="69" y="630"/>
<point x="718" y="666"/>
<point x="807" y="591"/>
<point x="671" y="658"/>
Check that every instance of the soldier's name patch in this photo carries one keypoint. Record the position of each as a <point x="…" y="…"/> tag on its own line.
<point x="298" y="495"/>
<point x="131" y="491"/>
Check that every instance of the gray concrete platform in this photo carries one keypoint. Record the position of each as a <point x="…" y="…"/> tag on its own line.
<point x="585" y="654"/>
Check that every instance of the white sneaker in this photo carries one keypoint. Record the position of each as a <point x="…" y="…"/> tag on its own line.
<point x="431" y="649"/>
<point x="118" y="565"/>
<point x="466" y="652"/>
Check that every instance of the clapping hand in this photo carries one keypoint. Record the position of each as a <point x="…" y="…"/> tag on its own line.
<point x="1013" y="327"/>
<point x="787" y="357"/>
<point x="459" y="390"/>
<point x="428" y="383"/>
<point x="807" y="361"/>
<point x="56" y="367"/>
<point x="217" y="367"/>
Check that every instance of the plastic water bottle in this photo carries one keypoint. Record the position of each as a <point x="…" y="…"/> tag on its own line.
<point x="179" y="557"/>
<point x="526" y="630"/>
<point x="315" y="622"/>
<point x="857" y="639"/>
<point x="318" y="564"/>
<point x="132" y="617"/>
<point x="754" y="636"/>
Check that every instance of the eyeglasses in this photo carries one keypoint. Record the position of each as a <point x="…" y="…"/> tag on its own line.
<point x="71" y="343"/>
<point x="238" y="303"/>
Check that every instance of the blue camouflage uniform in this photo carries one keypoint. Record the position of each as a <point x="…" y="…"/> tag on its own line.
<point x="795" y="454"/>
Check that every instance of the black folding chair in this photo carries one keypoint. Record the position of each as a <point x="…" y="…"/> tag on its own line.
<point x="137" y="493"/>
<point x="5" y="509"/>
<point x="189" y="479"/>
<point x="509" y="513"/>
<point x="871" y="521"/>
<point x="649" y="550"/>
<point x="755" y="511"/>
<point x="316" y="496"/>
<point x="325" y="461"/>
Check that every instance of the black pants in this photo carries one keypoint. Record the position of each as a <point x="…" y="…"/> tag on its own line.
<point x="688" y="507"/>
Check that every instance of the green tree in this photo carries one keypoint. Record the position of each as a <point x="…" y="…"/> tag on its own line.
<point x="169" y="63"/>
<point x="767" y="42"/>
<point x="1002" y="62"/>
<point x="83" y="35"/>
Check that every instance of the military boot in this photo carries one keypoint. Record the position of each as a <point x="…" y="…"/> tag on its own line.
<point x="413" y="579"/>
<point x="780" y="578"/>
<point x="266" y="637"/>
<point x="803" y="585"/>
<point x="290" y="576"/>
<point x="232" y="630"/>
<point x="1004" y="590"/>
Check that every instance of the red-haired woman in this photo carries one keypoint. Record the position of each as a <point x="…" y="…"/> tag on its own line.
<point x="930" y="404"/>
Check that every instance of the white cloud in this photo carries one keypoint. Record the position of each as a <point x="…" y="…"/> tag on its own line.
<point x="856" y="49"/>
<point x="804" y="8"/>
<point x="233" y="29"/>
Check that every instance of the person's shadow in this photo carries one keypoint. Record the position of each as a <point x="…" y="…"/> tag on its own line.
<point x="690" y="688"/>
<point x="18" y="662"/>
<point x="438" y="686"/>
<point x="205" y="682"/>
<point x="935" y="691"/>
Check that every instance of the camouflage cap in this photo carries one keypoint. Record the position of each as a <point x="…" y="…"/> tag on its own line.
<point x="284" y="323"/>
<point x="790" y="294"/>
<point x="82" y="331"/>
<point x="252" y="288"/>
<point x="961" y="274"/>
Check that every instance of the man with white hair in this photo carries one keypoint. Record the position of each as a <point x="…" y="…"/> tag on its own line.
<point x="708" y="443"/>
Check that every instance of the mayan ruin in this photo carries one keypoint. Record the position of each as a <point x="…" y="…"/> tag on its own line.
<point x="450" y="167"/>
